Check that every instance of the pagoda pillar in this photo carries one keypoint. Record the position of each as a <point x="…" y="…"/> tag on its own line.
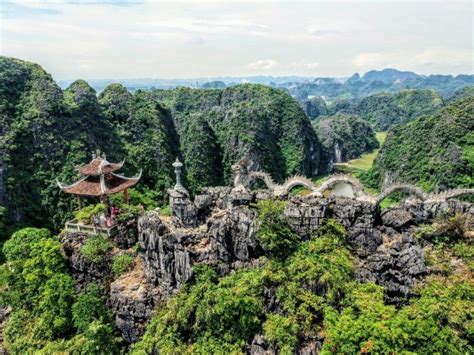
<point x="79" y="201"/>
<point x="125" y="196"/>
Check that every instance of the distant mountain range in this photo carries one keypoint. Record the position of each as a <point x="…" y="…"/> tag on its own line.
<point x="356" y="86"/>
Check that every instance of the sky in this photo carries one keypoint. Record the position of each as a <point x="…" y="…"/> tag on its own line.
<point x="154" y="39"/>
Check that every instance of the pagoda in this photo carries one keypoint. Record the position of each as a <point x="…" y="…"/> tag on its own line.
<point x="100" y="180"/>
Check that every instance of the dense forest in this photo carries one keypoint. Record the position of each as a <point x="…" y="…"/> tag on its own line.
<point x="434" y="151"/>
<point x="386" y="110"/>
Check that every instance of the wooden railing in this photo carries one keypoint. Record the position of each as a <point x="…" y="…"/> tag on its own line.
<point x="74" y="226"/>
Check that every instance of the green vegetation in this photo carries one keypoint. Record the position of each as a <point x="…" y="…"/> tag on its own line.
<point x="47" y="131"/>
<point x="165" y="211"/>
<point x="274" y="232"/>
<point x="315" y="295"/>
<point x="85" y="214"/>
<point x="95" y="247"/>
<point x="48" y="315"/>
<point x="264" y="124"/>
<point x="345" y="136"/>
<point x="302" y="289"/>
<point x="384" y="110"/>
<point x="223" y="314"/>
<point x="439" y="321"/>
<point x="314" y="107"/>
<point x="122" y="263"/>
<point x="437" y="151"/>
<point x="363" y="164"/>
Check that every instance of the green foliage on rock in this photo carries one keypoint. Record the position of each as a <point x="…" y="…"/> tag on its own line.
<point x="385" y="110"/>
<point x="45" y="132"/>
<point x="201" y="152"/>
<point x="315" y="107"/>
<point x="86" y="213"/>
<point x="438" y="322"/>
<point x="259" y="122"/>
<point x="274" y="232"/>
<point x="95" y="247"/>
<point x="122" y="263"/>
<point x="435" y="151"/>
<point x="345" y="136"/>
<point x="89" y="308"/>
<point x="48" y="316"/>
<point x="223" y="314"/>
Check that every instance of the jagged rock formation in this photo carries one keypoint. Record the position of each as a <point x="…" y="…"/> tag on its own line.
<point x="219" y="226"/>
<point x="132" y="299"/>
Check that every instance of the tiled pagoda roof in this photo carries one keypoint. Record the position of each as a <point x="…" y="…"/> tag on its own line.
<point x="100" y="185"/>
<point x="97" y="166"/>
<point x="99" y="178"/>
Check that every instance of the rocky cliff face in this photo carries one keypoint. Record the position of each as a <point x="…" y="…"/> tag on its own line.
<point x="219" y="228"/>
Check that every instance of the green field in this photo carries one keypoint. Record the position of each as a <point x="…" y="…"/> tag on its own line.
<point x="365" y="161"/>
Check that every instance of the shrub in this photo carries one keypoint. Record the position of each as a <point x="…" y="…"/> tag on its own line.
<point x="146" y="198"/>
<point x="281" y="332"/>
<point x="85" y="215"/>
<point x="274" y="232"/>
<point x="128" y="213"/>
<point x="88" y="308"/>
<point x="122" y="263"/>
<point x="439" y="322"/>
<point x="165" y="211"/>
<point x="95" y="247"/>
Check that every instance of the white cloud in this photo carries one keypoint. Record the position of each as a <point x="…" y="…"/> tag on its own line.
<point x="374" y="60"/>
<point x="200" y="39"/>
<point x="263" y="64"/>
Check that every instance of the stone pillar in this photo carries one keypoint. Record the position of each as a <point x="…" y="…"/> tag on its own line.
<point x="177" y="170"/>
<point x="183" y="211"/>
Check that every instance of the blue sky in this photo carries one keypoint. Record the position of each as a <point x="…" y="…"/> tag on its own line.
<point x="155" y="39"/>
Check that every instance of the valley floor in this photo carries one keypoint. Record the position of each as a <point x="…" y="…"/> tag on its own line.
<point x="365" y="161"/>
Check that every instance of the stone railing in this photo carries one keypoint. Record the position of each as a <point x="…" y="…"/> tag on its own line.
<point x="243" y="180"/>
<point x="75" y="226"/>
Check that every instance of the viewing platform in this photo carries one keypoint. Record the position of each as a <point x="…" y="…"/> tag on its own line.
<point x="76" y="226"/>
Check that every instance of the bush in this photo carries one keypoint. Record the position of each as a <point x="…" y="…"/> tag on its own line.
<point x="439" y="322"/>
<point x="95" y="247"/>
<point x="122" y="263"/>
<point x="46" y="312"/>
<point x="165" y="211"/>
<point x="88" y="308"/>
<point x="281" y="332"/>
<point x="128" y="213"/>
<point x="146" y="198"/>
<point x="274" y="232"/>
<point x="85" y="215"/>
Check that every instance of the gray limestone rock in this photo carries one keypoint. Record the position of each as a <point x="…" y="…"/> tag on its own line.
<point x="397" y="265"/>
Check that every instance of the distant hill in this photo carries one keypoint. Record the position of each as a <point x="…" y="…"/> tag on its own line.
<point x="214" y="85"/>
<point x="355" y="87"/>
<point x="462" y="93"/>
<point x="385" y="110"/>
<point x="389" y="76"/>
<point x="345" y="136"/>
<point x="435" y="151"/>
<point x="388" y="81"/>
